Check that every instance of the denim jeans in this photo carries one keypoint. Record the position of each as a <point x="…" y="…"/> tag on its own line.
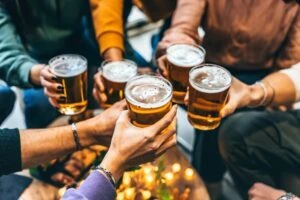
<point x="7" y="102"/>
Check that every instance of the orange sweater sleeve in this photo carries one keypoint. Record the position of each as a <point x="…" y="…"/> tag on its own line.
<point x="108" y="23"/>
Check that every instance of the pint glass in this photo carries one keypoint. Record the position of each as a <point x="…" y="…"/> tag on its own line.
<point x="148" y="98"/>
<point x="181" y="59"/>
<point x="71" y="72"/>
<point x="208" y="89"/>
<point x="115" y="75"/>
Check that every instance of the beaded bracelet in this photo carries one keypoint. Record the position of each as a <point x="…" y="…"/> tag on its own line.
<point x="76" y="137"/>
<point x="107" y="173"/>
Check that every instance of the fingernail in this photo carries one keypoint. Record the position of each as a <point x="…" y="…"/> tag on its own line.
<point x="62" y="98"/>
<point x="60" y="87"/>
<point x="54" y="78"/>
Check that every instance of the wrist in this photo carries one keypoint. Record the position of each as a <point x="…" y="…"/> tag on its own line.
<point x="96" y="130"/>
<point x="114" y="54"/>
<point x="35" y="73"/>
<point x="114" y="163"/>
<point x="256" y="95"/>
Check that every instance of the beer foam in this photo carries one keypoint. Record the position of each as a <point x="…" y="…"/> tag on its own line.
<point x="210" y="79"/>
<point x="68" y="65"/>
<point x="148" y="92"/>
<point x="119" y="71"/>
<point x="185" y="55"/>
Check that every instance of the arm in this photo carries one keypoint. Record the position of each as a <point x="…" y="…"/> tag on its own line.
<point x="142" y="145"/>
<point x="33" y="147"/>
<point x="281" y="88"/>
<point x="184" y="27"/>
<point x="15" y="63"/>
<point x="108" y="24"/>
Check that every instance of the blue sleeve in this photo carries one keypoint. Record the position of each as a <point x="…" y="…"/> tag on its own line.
<point x="95" y="187"/>
<point x="15" y="63"/>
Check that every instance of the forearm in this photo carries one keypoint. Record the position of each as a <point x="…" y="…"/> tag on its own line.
<point x="15" y="63"/>
<point x="108" y="24"/>
<point x="41" y="145"/>
<point x="280" y="90"/>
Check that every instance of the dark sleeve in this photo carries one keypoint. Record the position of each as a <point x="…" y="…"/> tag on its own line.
<point x="10" y="151"/>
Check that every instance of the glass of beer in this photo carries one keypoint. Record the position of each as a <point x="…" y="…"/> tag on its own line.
<point x="148" y="98"/>
<point x="208" y="91"/>
<point x="181" y="59"/>
<point x="115" y="76"/>
<point x="71" y="72"/>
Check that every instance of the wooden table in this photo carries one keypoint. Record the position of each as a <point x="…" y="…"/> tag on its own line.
<point x="42" y="191"/>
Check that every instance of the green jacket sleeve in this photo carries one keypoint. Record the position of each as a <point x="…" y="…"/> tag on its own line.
<point x="15" y="63"/>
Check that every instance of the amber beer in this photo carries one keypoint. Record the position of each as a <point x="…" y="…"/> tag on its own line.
<point x="115" y="76"/>
<point x="181" y="59"/>
<point x="148" y="98"/>
<point x="208" y="89"/>
<point x="71" y="72"/>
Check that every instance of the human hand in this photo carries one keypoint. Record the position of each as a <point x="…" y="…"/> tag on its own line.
<point x="99" y="89"/>
<point x="52" y="89"/>
<point x="132" y="145"/>
<point x="35" y="73"/>
<point x="101" y="127"/>
<point x="172" y="37"/>
<point x="260" y="191"/>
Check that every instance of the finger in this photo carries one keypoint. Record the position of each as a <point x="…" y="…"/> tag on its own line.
<point x="95" y="95"/>
<point x="99" y="82"/>
<point x="163" y="123"/>
<point x="124" y="117"/>
<point x="51" y="86"/>
<point x="121" y="104"/>
<point x="48" y="75"/>
<point x="62" y="178"/>
<point x="162" y="65"/>
<point x="167" y="133"/>
<point x="72" y="168"/>
<point x="54" y="95"/>
<point x="54" y="103"/>
<point x="166" y="146"/>
<point x="229" y="108"/>
<point x="186" y="97"/>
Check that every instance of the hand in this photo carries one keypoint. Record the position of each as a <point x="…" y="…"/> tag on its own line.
<point x="260" y="191"/>
<point x="102" y="126"/>
<point x="113" y="54"/>
<point x="132" y="145"/>
<point x="35" y="73"/>
<point x="52" y="89"/>
<point x="238" y="97"/>
<point x="172" y="37"/>
<point x="99" y="89"/>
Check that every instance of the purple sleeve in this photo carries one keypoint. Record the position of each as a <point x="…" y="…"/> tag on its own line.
<point x="95" y="187"/>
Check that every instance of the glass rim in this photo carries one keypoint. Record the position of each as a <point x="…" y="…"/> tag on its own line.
<point x="130" y="62"/>
<point x="149" y="76"/>
<point x="201" y="48"/>
<point x="70" y="55"/>
<point x="50" y="63"/>
<point x="211" y="65"/>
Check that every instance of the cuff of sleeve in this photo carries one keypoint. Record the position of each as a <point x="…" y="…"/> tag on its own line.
<point x="10" y="154"/>
<point x="97" y="185"/>
<point x="110" y="40"/>
<point x="24" y="74"/>
<point x="294" y="74"/>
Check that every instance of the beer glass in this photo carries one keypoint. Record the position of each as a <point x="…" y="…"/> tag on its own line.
<point x="71" y="72"/>
<point x="115" y="75"/>
<point x="148" y="98"/>
<point x="181" y="59"/>
<point x="208" y="91"/>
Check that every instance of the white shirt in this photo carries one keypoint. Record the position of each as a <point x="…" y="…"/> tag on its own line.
<point x="294" y="74"/>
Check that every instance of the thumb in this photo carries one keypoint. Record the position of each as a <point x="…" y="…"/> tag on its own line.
<point x="229" y="108"/>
